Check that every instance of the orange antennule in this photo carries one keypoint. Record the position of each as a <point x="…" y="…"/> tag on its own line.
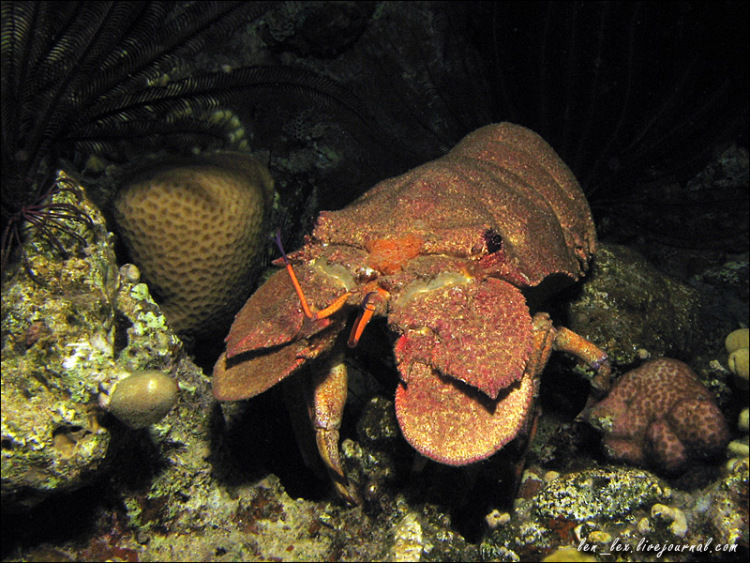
<point x="309" y="312"/>
<point x="365" y="314"/>
<point x="295" y="282"/>
<point x="333" y="307"/>
<point x="366" y="310"/>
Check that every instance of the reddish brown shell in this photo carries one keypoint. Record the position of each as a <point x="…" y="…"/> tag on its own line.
<point x="273" y="315"/>
<point x="501" y="182"/>
<point x="502" y="205"/>
<point x="271" y="338"/>
<point x="455" y="424"/>
<point x="478" y="332"/>
<point x="251" y="374"/>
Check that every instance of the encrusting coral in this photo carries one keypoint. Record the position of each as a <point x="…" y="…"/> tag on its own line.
<point x="662" y="416"/>
<point x="197" y="233"/>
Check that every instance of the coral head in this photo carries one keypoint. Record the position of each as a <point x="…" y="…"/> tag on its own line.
<point x="660" y="415"/>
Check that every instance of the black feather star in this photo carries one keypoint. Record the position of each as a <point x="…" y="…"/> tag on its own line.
<point x="636" y="97"/>
<point x="78" y="78"/>
<point x="86" y="78"/>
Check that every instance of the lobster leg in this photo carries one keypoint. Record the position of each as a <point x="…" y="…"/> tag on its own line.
<point x="326" y="406"/>
<point x="568" y="341"/>
<point x="548" y="338"/>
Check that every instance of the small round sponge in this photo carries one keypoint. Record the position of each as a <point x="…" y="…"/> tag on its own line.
<point x="143" y="398"/>
<point x="197" y="232"/>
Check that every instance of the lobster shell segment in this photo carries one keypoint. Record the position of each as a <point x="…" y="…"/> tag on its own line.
<point x="455" y="424"/>
<point x="502" y="181"/>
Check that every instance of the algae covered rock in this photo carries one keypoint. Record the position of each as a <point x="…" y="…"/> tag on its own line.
<point x="77" y="327"/>
<point x="577" y="515"/>
<point x="197" y="231"/>
<point x="598" y="493"/>
<point x="57" y="341"/>
<point x="628" y="307"/>
<point x="727" y="506"/>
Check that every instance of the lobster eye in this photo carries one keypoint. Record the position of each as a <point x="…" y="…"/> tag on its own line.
<point x="493" y="240"/>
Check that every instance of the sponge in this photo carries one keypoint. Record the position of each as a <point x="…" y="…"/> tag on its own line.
<point x="143" y="398"/>
<point x="197" y="232"/>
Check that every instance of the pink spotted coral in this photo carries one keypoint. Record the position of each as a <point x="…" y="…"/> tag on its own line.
<point x="660" y="415"/>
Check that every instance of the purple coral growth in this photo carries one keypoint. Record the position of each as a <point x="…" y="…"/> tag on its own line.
<point x="660" y="415"/>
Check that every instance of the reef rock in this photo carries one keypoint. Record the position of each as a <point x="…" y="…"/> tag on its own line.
<point x="598" y="493"/>
<point x="77" y="328"/>
<point x="57" y="340"/>
<point x="726" y="501"/>
<point x="591" y="507"/>
<point x="627" y="306"/>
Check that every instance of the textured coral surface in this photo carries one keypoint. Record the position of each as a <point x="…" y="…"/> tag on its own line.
<point x="196" y="231"/>
<point x="661" y="415"/>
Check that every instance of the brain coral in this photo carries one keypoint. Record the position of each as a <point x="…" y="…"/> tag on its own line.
<point x="196" y="231"/>
<point x="662" y="416"/>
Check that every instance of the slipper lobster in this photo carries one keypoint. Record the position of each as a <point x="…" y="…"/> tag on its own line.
<point x="453" y="253"/>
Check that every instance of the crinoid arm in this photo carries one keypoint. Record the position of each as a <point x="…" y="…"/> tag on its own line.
<point x="49" y="218"/>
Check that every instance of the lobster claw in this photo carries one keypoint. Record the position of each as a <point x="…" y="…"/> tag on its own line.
<point x="474" y="331"/>
<point x="271" y="317"/>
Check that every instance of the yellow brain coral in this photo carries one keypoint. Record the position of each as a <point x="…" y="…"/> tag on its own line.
<point x="197" y="232"/>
